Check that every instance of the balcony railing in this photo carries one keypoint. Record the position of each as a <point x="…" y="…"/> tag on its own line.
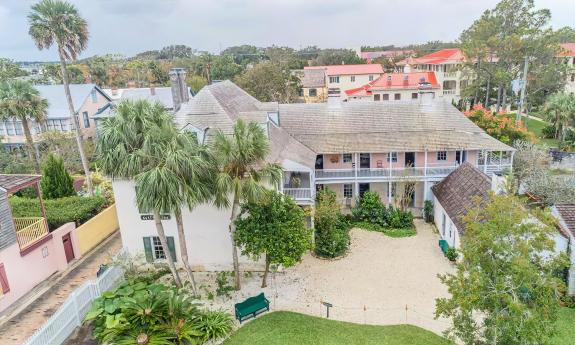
<point x="449" y="92"/>
<point x="298" y="193"/>
<point x="29" y="230"/>
<point x="449" y="74"/>
<point x="334" y="173"/>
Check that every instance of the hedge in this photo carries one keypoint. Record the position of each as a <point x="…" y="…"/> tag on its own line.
<point x="77" y="209"/>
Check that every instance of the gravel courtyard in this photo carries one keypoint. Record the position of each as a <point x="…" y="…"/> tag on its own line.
<point x="373" y="284"/>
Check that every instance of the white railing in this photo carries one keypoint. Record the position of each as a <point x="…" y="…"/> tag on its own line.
<point x="449" y="92"/>
<point x="71" y="313"/>
<point x="449" y="74"/>
<point x="334" y="173"/>
<point x="489" y="169"/>
<point x="298" y="193"/>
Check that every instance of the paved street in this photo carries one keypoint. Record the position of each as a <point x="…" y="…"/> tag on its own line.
<point x="23" y="325"/>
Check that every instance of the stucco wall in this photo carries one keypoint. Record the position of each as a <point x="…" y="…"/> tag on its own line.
<point x="438" y="213"/>
<point x="59" y="253"/>
<point x="25" y="272"/>
<point x="206" y="227"/>
<point x="94" y="231"/>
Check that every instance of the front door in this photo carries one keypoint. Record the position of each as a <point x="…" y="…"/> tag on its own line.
<point x="68" y="248"/>
<point x="364" y="161"/>
<point x="460" y="156"/>
<point x="410" y="159"/>
<point x="363" y="187"/>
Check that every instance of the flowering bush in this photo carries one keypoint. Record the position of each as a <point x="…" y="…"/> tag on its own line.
<point x="500" y="126"/>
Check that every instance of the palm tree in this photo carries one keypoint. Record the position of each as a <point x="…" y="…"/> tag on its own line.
<point x="55" y="21"/>
<point x="242" y="173"/>
<point x="20" y="100"/>
<point x="127" y="149"/>
<point x="560" y="109"/>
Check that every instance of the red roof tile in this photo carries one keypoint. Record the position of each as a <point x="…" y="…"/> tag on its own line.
<point x="452" y="55"/>
<point x="394" y="81"/>
<point x="568" y="49"/>
<point x="350" y="69"/>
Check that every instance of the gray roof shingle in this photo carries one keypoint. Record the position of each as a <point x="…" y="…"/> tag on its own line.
<point x="457" y="193"/>
<point x="567" y="213"/>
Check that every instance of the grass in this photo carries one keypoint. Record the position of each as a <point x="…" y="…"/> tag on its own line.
<point x="536" y="127"/>
<point x="391" y="232"/>
<point x="283" y="328"/>
<point x="565" y="327"/>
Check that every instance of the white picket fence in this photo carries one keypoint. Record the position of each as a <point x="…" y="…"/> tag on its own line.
<point x="72" y="312"/>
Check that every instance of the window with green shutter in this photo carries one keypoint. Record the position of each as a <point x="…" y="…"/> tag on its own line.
<point x="154" y="251"/>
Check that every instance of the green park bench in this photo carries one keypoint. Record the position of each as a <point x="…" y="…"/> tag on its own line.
<point x="251" y="307"/>
<point x="444" y="246"/>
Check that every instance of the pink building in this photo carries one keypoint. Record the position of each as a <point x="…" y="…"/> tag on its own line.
<point x="29" y="252"/>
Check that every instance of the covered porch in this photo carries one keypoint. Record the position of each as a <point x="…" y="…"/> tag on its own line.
<point x="29" y="230"/>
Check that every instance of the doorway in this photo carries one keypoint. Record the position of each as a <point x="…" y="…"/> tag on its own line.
<point x="363" y="187"/>
<point x="460" y="156"/>
<point x="68" y="248"/>
<point x="410" y="159"/>
<point x="319" y="162"/>
<point x="364" y="160"/>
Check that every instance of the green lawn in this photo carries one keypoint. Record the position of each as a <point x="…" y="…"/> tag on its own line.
<point x="565" y="327"/>
<point x="536" y="127"/>
<point x="283" y="328"/>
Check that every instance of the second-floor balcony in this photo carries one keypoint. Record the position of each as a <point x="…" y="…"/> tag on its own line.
<point x="298" y="185"/>
<point x="449" y="92"/>
<point x="29" y="230"/>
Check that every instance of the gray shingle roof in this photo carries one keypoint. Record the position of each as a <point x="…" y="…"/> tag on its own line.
<point x="457" y="192"/>
<point x="313" y="78"/>
<point x="567" y="213"/>
<point x="384" y="126"/>
<point x="57" y="103"/>
<point x="12" y="183"/>
<point x="219" y="105"/>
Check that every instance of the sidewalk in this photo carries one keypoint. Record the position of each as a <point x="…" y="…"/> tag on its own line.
<point x="44" y="300"/>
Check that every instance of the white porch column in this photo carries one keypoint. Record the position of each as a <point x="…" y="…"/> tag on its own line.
<point x="356" y="183"/>
<point x="389" y="192"/>
<point x="485" y="162"/>
<point x="425" y="188"/>
<point x="425" y="165"/>
<point x="500" y="159"/>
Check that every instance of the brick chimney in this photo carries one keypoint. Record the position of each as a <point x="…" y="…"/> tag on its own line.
<point x="180" y="93"/>
<point x="389" y="80"/>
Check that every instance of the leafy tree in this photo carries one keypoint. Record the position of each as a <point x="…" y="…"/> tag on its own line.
<point x="224" y="68"/>
<point x="196" y="83"/>
<point x="331" y="233"/>
<point x="19" y="100"/>
<point x="285" y="57"/>
<point x="269" y="82"/>
<point x="337" y="57"/>
<point x="560" y="111"/>
<point x="275" y="228"/>
<point x="56" y="182"/>
<point x="58" y="22"/>
<point x="240" y="158"/>
<point x="64" y="145"/>
<point x="499" y="126"/>
<point x="178" y="51"/>
<point x="10" y="69"/>
<point x="506" y="288"/>
<point x="244" y="54"/>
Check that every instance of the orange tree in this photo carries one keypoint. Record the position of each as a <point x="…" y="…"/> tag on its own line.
<point x="500" y="126"/>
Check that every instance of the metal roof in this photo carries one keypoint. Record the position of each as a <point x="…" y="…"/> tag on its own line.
<point x="56" y="97"/>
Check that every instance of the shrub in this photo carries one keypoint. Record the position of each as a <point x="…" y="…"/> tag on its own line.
<point x="548" y="132"/>
<point x="399" y="219"/>
<point x="331" y="228"/>
<point x="451" y="254"/>
<point x="140" y="310"/>
<point x="428" y="211"/>
<point x="56" y="181"/>
<point x="370" y="209"/>
<point x="499" y="126"/>
<point x="77" y="209"/>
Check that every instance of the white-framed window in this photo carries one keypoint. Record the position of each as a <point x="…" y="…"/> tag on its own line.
<point x="377" y="97"/>
<point x="450" y="228"/>
<point x="348" y="190"/>
<point x="157" y="249"/>
<point x="312" y="92"/>
<point x="10" y="127"/>
<point x="370" y="77"/>
<point x="347" y="158"/>
<point x="385" y="97"/>
<point x="397" y="96"/>
<point x="392" y="157"/>
<point x="86" y="119"/>
<point x="94" y="96"/>
<point x="441" y="155"/>
<point x="334" y="79"/>
<point x="352" y="78"/>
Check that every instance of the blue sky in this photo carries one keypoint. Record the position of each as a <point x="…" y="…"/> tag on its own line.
<point x="131" y="26"/>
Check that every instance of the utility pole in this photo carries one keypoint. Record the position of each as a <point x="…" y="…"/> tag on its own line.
<point x="523" y="87"/>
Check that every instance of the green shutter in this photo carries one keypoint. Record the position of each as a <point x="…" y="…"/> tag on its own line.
<point x="172" y="247"/>
<point x="148" y="249"/>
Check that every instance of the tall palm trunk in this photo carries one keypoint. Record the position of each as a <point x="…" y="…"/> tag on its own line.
<point x="235" y="209"/>
<point x="266" y="271"/>
<point x="166" y="249"/>
<point x="487" y="92"/>
<point x="184" y="249"/>
<point x="73" y="121"/>
<point x="30" y="145"/>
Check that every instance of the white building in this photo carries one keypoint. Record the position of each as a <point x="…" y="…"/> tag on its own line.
<point x="565" y="214"/>
<point x="339" y="78"/>
<point x="568" y="54"/>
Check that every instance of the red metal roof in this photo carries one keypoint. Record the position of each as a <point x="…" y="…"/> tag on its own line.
<point x="451" y="55"/>
<point x="568" y="49"/>
<point x="350" y="69"/>
<point x="394" y="81"/>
